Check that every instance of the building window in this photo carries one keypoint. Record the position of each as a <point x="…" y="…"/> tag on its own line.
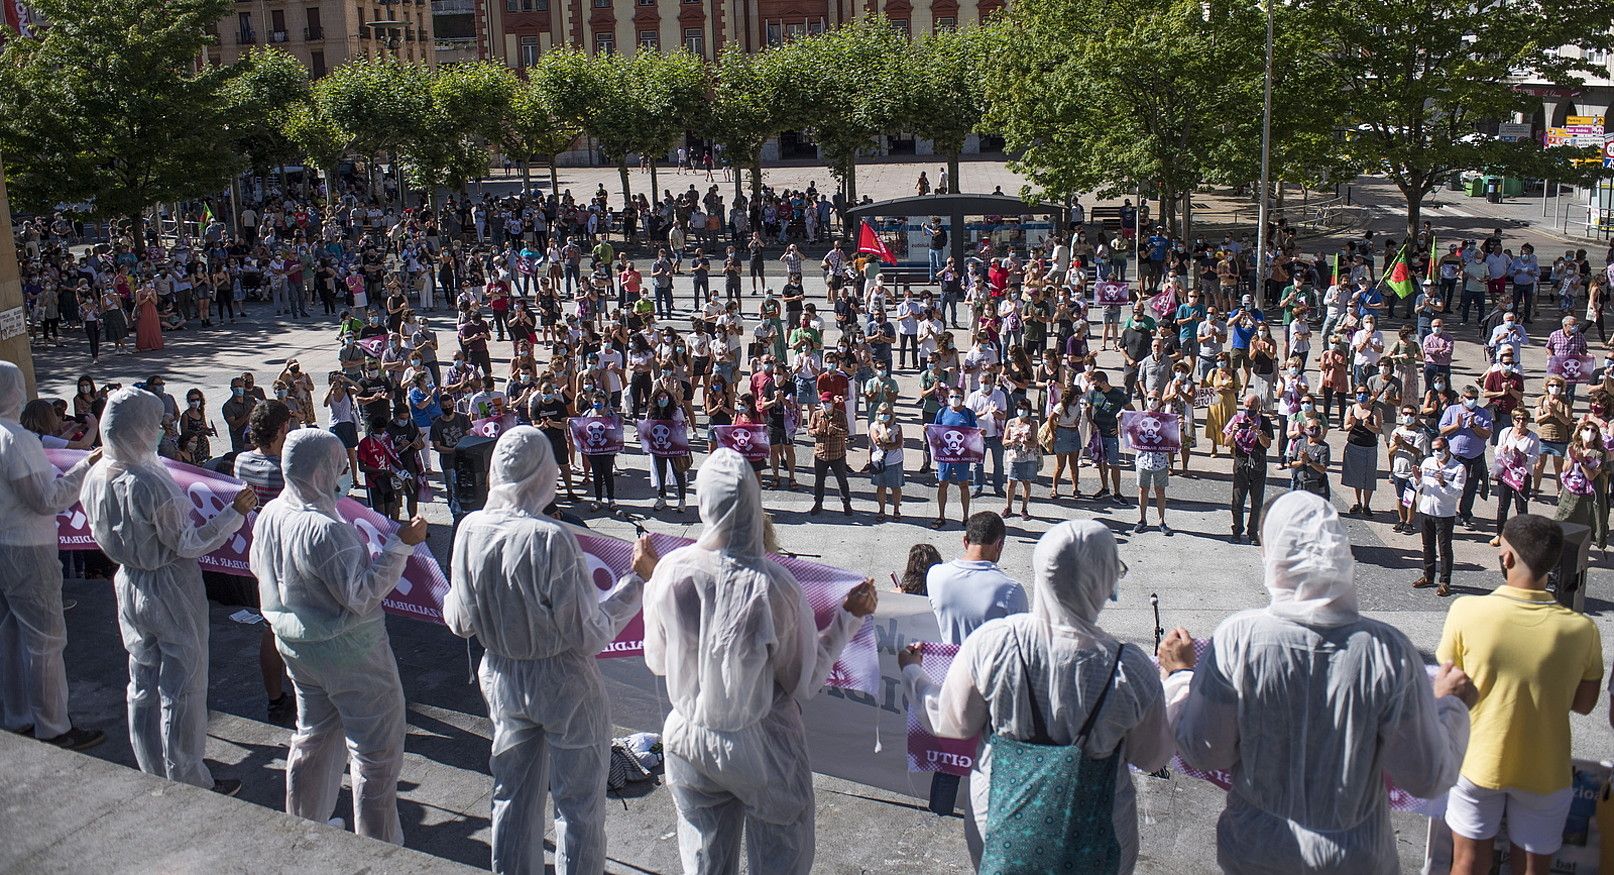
<point x="604" y="43"/>
<point x="795" y="31"/>
<point x="900" y="25"/>
<point x="649" y="39"/>
<point x="946" y="24"/>
<point x="316" y="63"/>
<point x="512" y="5"/>
<point x="602" y="4"/>
<point x="695" y="41"/>
<point x="815" y="27"/>
<point x="541" y="5"/>
<point x="774" y="34"/>
<point x="529" y="51"/>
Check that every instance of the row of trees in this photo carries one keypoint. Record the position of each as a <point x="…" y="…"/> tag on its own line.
<point x="110" y="105"/>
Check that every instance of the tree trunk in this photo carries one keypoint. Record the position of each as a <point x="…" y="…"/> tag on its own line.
<point x="554" y="176"/>
<point x="756" y="181"/>
<point x="1414" y="192"/>
<point x="526" y="175"/>
<point x="1168" y="209"/>
<point x="622" y="171"/>
<point x="655" y="190"/>
<point x="1277" y="197"/>
<point x="1188" y="215"/>
<point x="851" y="180"/>
<point x="952" y="173"/>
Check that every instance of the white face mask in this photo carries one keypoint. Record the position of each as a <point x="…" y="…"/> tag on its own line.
<point x="1587" y="435"/>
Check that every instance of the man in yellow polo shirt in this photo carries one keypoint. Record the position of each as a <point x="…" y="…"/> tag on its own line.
<point x="1533" y="661"/>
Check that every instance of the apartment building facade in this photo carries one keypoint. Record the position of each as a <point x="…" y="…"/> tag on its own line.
<point x="326" y="33"/>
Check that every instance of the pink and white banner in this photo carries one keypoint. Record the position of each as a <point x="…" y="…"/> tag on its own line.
<point x="1148" y="431"/>
<point x="419" y="593"/>
<point x="1573" y="368"/>
<point x="596" y="435"/>
<point x="493" y="426"/>
<point x="956" y="444"/>
<point x="373" y="346"/>
<point x="932" y="753"/>
<point x="928" y="753"/>
<point x="664" y="437"/>
<point x="1111" y="294"/>
<point x="858" y="667"/>
<point x="1164" y="304"/>
<point x="750" y="441"/>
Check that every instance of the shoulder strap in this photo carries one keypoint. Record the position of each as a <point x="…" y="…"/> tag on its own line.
<point x="1039" y="728"/>
<point x="1092" y="716"/>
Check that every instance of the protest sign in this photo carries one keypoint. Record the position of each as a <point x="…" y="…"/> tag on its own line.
<point x="1111" y="294"/>
<point x="596" y="435"/>
<point x="750" y="441"/>
<point x="493" y="426"/>
<point x="954" y="444"/>
<point x="1149" y="431"/>
<point x="1573" y="368"/>
<point x="664" y="437"/>
<point x="931" y="753"/>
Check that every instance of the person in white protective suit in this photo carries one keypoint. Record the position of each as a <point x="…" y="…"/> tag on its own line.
<point x="522" y="585"/>
<point x="732" y="633"/>
<point x="321" y="592"/>
<point x="141" y="519"/>
<point x="1310" y="706"/>
<point x="33" y="634"/>
<point x="1076" y="569"/>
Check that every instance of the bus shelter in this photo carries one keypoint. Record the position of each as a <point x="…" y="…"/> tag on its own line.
<point x="1008" y="222"/>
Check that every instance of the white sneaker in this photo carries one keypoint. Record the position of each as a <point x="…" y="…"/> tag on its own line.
<point x="660" y="504"/>
<point x="681" y="507"/>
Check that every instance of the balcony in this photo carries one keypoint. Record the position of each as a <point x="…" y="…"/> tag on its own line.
<point x="246" y="37"/>
<point x="408" y="34"/>
<point x="313" y="34"/>
<point x="278" y="36"/>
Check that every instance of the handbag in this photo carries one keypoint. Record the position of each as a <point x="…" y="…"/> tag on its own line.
<point x="1045" y="435"/>
<point x="1051" y="805"/>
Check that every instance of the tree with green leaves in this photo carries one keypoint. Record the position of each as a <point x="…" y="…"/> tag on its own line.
<point x="466" y="111"/>
<point x="535" y="126"/>
<point x="670" y="90"/>
<point x="1098" y="97"/>
<point x="265" y="87"/>
<point x="1415" y="81"/>
<point x="746" y="107"/>
<point x="946" y="79"/>
<point x="378" y="104"/>
<point x="108" y="105"/>
<point x="316" y="139"/>
<point x="847" y="83"/>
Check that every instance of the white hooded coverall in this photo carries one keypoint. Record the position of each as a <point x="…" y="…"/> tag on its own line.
<point x="522" y="585"/>
<point x="734" y="636"/>
<point x="1076" y="567"/>
<point x="1310" y="706"/>
<point x="33" y="634"/>
<point x="141" y="519"/>
<point x="321" y="593"/>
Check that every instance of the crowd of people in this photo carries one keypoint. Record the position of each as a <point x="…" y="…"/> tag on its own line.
<point x="1012" y="341"/>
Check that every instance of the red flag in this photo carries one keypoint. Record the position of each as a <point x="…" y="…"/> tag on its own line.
<point x="868" y="241"/>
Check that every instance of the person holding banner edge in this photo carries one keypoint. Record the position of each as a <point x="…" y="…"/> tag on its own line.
<point x="953" y="473"/>
<point x="522" y="587"/>
<point x="737" y="673"/>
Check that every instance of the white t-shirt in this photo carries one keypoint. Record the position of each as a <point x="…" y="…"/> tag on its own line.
<point x="613" y="379"/>
<point x="1367" y="354"/>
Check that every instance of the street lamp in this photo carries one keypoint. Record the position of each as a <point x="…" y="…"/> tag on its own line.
<point x="1266" y="162"/>
<point x="386" y="30"/>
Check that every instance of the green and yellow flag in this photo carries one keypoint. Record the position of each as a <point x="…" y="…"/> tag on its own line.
<point x="1398" y="276"/>
<point x="1434" y="260"/>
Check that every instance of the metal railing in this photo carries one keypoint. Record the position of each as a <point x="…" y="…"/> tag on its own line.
<point x="312" y="33"/>
<point x="278" y="36"/>
<point x="246" y="37"/>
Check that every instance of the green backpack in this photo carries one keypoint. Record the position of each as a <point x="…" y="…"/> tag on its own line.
<point x="1052" y="807"/>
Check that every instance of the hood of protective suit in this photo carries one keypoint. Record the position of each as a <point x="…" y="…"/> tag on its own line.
<point x="312" y="461"/>
<point x="13" y="391"/>
<point x="523" y="472"/>
<point x="1076" y="567"/>
<point x="1309" y="568"/>
<point x="131" y="426"/>
<point x="730" y="505"/>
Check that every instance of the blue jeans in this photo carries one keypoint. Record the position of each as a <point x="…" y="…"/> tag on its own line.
<point x="664" y="301"/>
<point x="1524" y="300"/>
<point x="937" y="259"/>
<point x="1477" y="300"/>
<point x="994" y="449"/>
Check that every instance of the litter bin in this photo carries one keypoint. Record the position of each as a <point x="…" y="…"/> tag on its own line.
<point x="1475" y="186"/>
<point x="1493" y="189"/>
<point x="1512" y="186"/>
<point x="1568" y="580"/>
<point x="1456" y="181"/>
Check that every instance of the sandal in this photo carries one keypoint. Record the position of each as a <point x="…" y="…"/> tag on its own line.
<point x="1443" y="590"/>
<point x="1422" y="583"/>
<point x="938" y="524"/>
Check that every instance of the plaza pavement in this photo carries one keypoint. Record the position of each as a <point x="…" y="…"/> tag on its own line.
<point x="1199" y="575"/>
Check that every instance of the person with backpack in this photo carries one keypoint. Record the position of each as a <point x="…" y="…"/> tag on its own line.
<point x="1053" y="681"/>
